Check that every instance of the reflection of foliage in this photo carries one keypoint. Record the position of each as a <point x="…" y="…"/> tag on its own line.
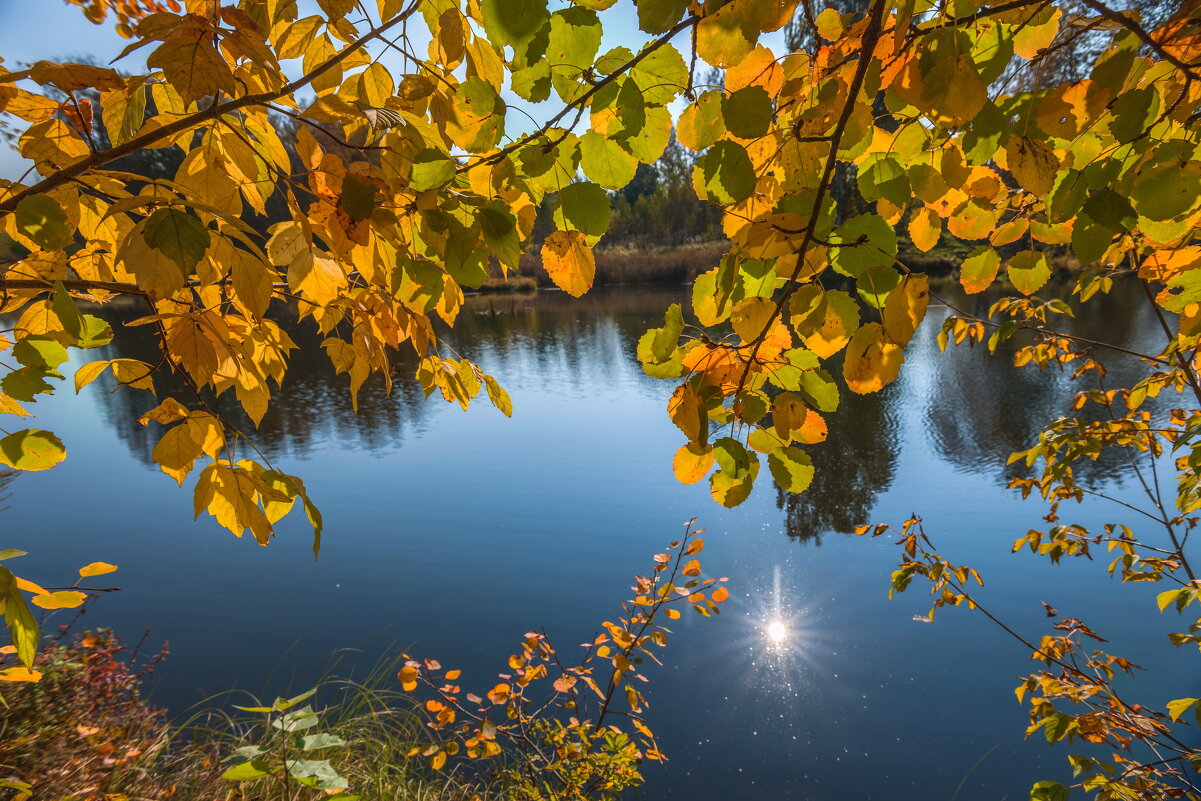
<point x="6" y="478"/>
<point x="855" y="465"/>
<point x="981" y="409"/>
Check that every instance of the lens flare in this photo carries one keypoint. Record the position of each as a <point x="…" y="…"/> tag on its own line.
<point x="776" y="632"/>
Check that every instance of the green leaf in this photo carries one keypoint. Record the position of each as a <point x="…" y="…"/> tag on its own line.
<point x="248" y="771"/>
<point x="863" y="242"/>
<point x="246" y="752"/>
<point x="358" y="197"/>
<point x="1048" y="791"/>
<point x="724" y="175"/>
<point x="319" y="774"/>
<point x="22" y="626"/>
<point x="649" y="143"/>
<point x="27" y="382"/>
<point x="41" y="219"/>
<point x="1028" y="270"/>
<point x="432" y="169"/>
<point x="1180" y="706"/>
<point x="575" y="37"/>
<point x="820" y="390"/>
<point x="658" y="16"/>
<point x="500" y="233"/>
<point x="1090" y="240"/>
<point x="661" y="76"/>
<point x="979" y="269"/>
<point x="1168" y="190"/>
<point x="605" y="161"/>
<point x="887" y="178"/>
<point x="32" y="450"/>
<point x="1133" y="113"/>
<point x="94" y="333"/>
<point x="732" y="483"/>
<point x="667" y="338"/>
<point x="499" y="397"/>
<point x="67" y="313"/>
<point x="748" y="112"/>
<point x="40" y="352"/>
<point x="1111" y="210"/>
<point x="583" y="206"/>
<point x="532" y="83"/>
<point x="703" y="122"/>
<point x="284" y="704"/>
<point x="792" y="468"/>
<point x="511" y="22"/>
<point x="180" y="237"/>
<point x="314" y="742"/>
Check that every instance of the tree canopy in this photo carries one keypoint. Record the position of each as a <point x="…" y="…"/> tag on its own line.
<point x="960" y="116"/>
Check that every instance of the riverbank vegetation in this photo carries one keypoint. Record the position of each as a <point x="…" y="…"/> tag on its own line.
<point x="796" y="190"/>
<point x="87" y="730"/>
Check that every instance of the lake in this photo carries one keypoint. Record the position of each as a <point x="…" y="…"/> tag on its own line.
<point x="452" y="533"/>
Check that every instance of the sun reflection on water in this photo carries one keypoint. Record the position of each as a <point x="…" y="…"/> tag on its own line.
<point x="776" y="631"/>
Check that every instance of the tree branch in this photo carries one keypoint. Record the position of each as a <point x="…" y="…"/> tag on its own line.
<point x="213" y="112"/>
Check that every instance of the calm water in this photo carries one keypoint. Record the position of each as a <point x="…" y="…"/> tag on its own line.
<point x="452" y="533"/>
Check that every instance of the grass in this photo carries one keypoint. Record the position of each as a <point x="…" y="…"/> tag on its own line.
<point x="86" y="731"/>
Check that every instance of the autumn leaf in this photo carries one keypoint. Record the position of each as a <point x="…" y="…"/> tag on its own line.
<point x="569" y="262"/>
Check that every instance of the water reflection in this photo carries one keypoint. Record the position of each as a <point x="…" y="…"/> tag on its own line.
<point x="855" y="464"/>
<point x="979" y="409"/>
<point x="447" y="529"/>
<point x="6" y="478"/>
<point x="976" y="408"/>
<point x="549" y="336"/>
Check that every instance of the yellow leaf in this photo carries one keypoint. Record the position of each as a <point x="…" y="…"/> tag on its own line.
<point x="1032" y="163"/>
<point x="925" y="229"/>
<point x="438" y="761"/>
<point x="1036" y="35"/>
<point x="569" y="261"/>
<point x="193" y="66"/>
<point x="756" y="318"/>
<point x="176" y="452"/>
<point x="692" y="462"/>
<point x="88" y="373"/>
<point x="52" y="142"/>
<point x="872" y="361"/>
<point x="20" y="674"/>
<point x="64" y="599"/>
<point x="96" y="569"/>
<point x="190" y="345"/>
<point x="684" y="409"/>
<point x="10" y="406"/>
<point x="320" y="279"/>
<point x="156" y="273"/>
<point x="905" y="308"/>
<point x="167" y="412"/>
<point x="133" y="373"/>
<point x="824" y="319"/>
<point x="408" y="678"/>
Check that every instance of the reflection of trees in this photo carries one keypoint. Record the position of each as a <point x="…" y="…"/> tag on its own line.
<point x="855" y="464"/>
<point x="313" y="405"/>
<point x="6" y="477"/>
<point x="980" y="408"/>
<point x="550" y="337"/>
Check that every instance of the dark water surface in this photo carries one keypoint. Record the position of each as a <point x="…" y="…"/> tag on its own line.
<point x="453" y="532"/>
